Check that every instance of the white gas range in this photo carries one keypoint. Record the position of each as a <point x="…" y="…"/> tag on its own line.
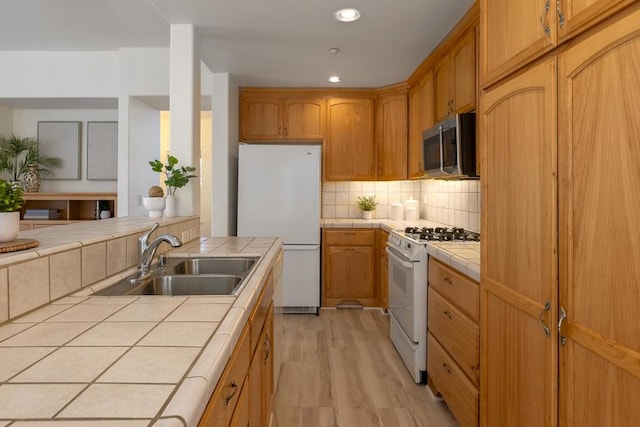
<point x="408" y="276"/>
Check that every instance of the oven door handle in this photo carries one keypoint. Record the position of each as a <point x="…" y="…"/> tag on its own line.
<point x="398" y="259"/>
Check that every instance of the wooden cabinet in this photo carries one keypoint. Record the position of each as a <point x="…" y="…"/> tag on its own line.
<point x="71" y="207"/>
<point x="392" y="136"/>
<point x="243" y="396"/>
<point x="350" y="147"/>
<point x="518" y="360"/>
<point x="455" y="78"/>
<point x="421" y="117"/>
<point x="349" y="267"/>
<point x="514" y="32"/>
<point x="453" y="359"/>
<point x="598" y="157"/>
<point x="273" y="117"/>
<point x="384" y="270"/>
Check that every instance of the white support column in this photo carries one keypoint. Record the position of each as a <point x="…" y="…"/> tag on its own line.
<point x="184" y="91"/>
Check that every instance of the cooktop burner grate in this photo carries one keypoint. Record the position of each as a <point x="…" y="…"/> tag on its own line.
<point x="442" y="234"/>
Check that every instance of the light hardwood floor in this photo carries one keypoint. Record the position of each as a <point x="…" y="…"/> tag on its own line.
<point x="340" y="369"/>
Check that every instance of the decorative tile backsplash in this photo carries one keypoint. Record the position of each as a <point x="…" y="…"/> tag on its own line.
<point x="448" y="202"/>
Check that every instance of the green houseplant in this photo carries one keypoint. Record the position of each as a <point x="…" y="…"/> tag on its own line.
<point x="175" y="177"/>
<point x="367" y="205"/>
<point x="16" y="154"/>
<point x="11" y="202"/>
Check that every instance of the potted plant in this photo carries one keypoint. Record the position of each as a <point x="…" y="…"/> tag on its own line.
<point x="176" y="177"/>
<point x="367" y="204"/>
<point x="11" y="202"/>
<point x="21" y="158"/>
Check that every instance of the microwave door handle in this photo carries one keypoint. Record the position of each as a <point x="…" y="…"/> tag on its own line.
<point x="442" y="152"/>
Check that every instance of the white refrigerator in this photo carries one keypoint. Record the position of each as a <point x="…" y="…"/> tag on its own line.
<point x="279" y="195"/>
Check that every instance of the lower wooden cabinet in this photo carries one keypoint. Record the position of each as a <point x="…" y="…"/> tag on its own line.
<point x="349" y="267"/>
<point x="453" y="349"/>
<point x="244" y="393"/>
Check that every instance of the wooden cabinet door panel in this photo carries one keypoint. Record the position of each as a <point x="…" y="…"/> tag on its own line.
<point x="261" y="118"/>
<point x="463" y="58"/>
<point x="442" y="77"/>
<point x="599" y="132"/>
<point x="414" y="154"/>
<point x="392" y="137"/>
<point x="350" y="152"/>
<point x="304" y="118"/>
<point x="519" y="204"/>
<point x="512" y="34"/>
<point x="580" y="15"/>
<point x="351" y="271"/>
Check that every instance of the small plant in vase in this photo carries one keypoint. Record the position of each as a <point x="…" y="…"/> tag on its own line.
<point x="176" y="177"/>
<point x="367" y="205"/>
<point x="11" y="202"/>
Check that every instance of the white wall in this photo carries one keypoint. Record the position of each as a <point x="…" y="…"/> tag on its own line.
<point x="25" y="124"/>
<point x="144" y="71"/>
<point x="144" y="146"/>
<point x="225" y="155"/>
<point x="39" y="74"/>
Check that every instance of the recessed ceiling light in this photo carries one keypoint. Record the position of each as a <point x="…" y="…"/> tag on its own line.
<point x="334" y="50"/>
<point x="335" y="79"/>
<point x="347" y="15"/>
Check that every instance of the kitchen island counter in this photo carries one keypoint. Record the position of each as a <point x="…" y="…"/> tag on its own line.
<point x="127" y="361"/>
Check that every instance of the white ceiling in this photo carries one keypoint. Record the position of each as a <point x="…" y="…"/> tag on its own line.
<point x="275" y="43"/>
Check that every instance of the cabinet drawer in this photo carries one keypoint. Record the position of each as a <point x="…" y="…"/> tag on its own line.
<point x="456" y="332"/>
<point x="461" y="291"/>
<point x="459" y="393"/>
<point x="260" y="312"/>
<point x="349" y="237"/>
<point x="225" y="397"/>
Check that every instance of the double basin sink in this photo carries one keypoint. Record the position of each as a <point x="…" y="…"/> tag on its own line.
<point x="188" y="276"/>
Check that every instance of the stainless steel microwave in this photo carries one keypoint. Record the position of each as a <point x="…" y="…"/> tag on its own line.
<point x="449" y="148"/>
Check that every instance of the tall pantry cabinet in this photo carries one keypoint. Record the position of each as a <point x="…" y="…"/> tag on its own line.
<point x="560" y="300"/>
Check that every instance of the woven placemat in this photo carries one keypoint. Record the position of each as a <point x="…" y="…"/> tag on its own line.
<point x="18" y="245"/>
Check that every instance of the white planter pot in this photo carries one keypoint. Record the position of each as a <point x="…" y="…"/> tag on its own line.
<point x="155" y="206"/>
<point x="367" y="214"/>
<point x="9" y="226"/>
<point x="170" y="206"/>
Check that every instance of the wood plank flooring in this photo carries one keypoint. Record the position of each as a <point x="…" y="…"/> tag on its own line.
<point x="341" y="369"/>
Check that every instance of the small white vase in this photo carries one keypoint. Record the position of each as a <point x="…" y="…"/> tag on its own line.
<point x="9" y="226"/>
<point x="170" y="206"/>
<point x="154" y="205"/>
<point x="367" y="214"/>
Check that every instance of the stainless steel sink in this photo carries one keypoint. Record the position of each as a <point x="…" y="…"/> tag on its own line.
<point x="176" y="285"/>
<point x="195" y="266"/>
<point x="188" y="276"/>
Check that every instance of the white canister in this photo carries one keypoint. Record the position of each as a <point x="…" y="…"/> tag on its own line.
<point x="396" y="211"/>
<point x="411" y="210"/>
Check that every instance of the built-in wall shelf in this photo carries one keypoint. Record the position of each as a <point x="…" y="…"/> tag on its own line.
<point x="64" y="208"/>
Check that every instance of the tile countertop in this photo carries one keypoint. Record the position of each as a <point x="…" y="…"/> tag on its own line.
<point x="463" y="256"/>
<point x="127" y="361"/>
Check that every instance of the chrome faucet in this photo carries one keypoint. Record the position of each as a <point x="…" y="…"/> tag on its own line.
<point x="148" y="250"/>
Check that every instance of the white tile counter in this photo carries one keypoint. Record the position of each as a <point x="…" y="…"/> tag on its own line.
<point x="126" y="361"/>
<point x="463" y="256"/>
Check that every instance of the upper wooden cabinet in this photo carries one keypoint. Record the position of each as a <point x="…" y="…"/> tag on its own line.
<point x="392" y="136"/>
<point x="276" y="118"/>
<point x="350" y="148"/>
<point x="421" y="117"/>
<point x="513" y="32"/>
<point x="455" y="78"/>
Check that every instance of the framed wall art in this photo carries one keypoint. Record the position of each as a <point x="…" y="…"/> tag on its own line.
<point x="102" y="150"/>
<point x="64" y="140"/>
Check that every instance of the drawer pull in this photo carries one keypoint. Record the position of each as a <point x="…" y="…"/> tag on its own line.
<point x="448" y="280"/>
<point x="228" y="398"/>
<point x="446" y="368"/>
<point x="563" y="315"/>
<point x="547" y="307"/>
<point x="267" y="346"/>
<point x="448" y="314"/>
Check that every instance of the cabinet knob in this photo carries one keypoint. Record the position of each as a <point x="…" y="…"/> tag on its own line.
<point x="448" y="280"/>
<point x="448" y="314"/>
<point x="446" y="368"/>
